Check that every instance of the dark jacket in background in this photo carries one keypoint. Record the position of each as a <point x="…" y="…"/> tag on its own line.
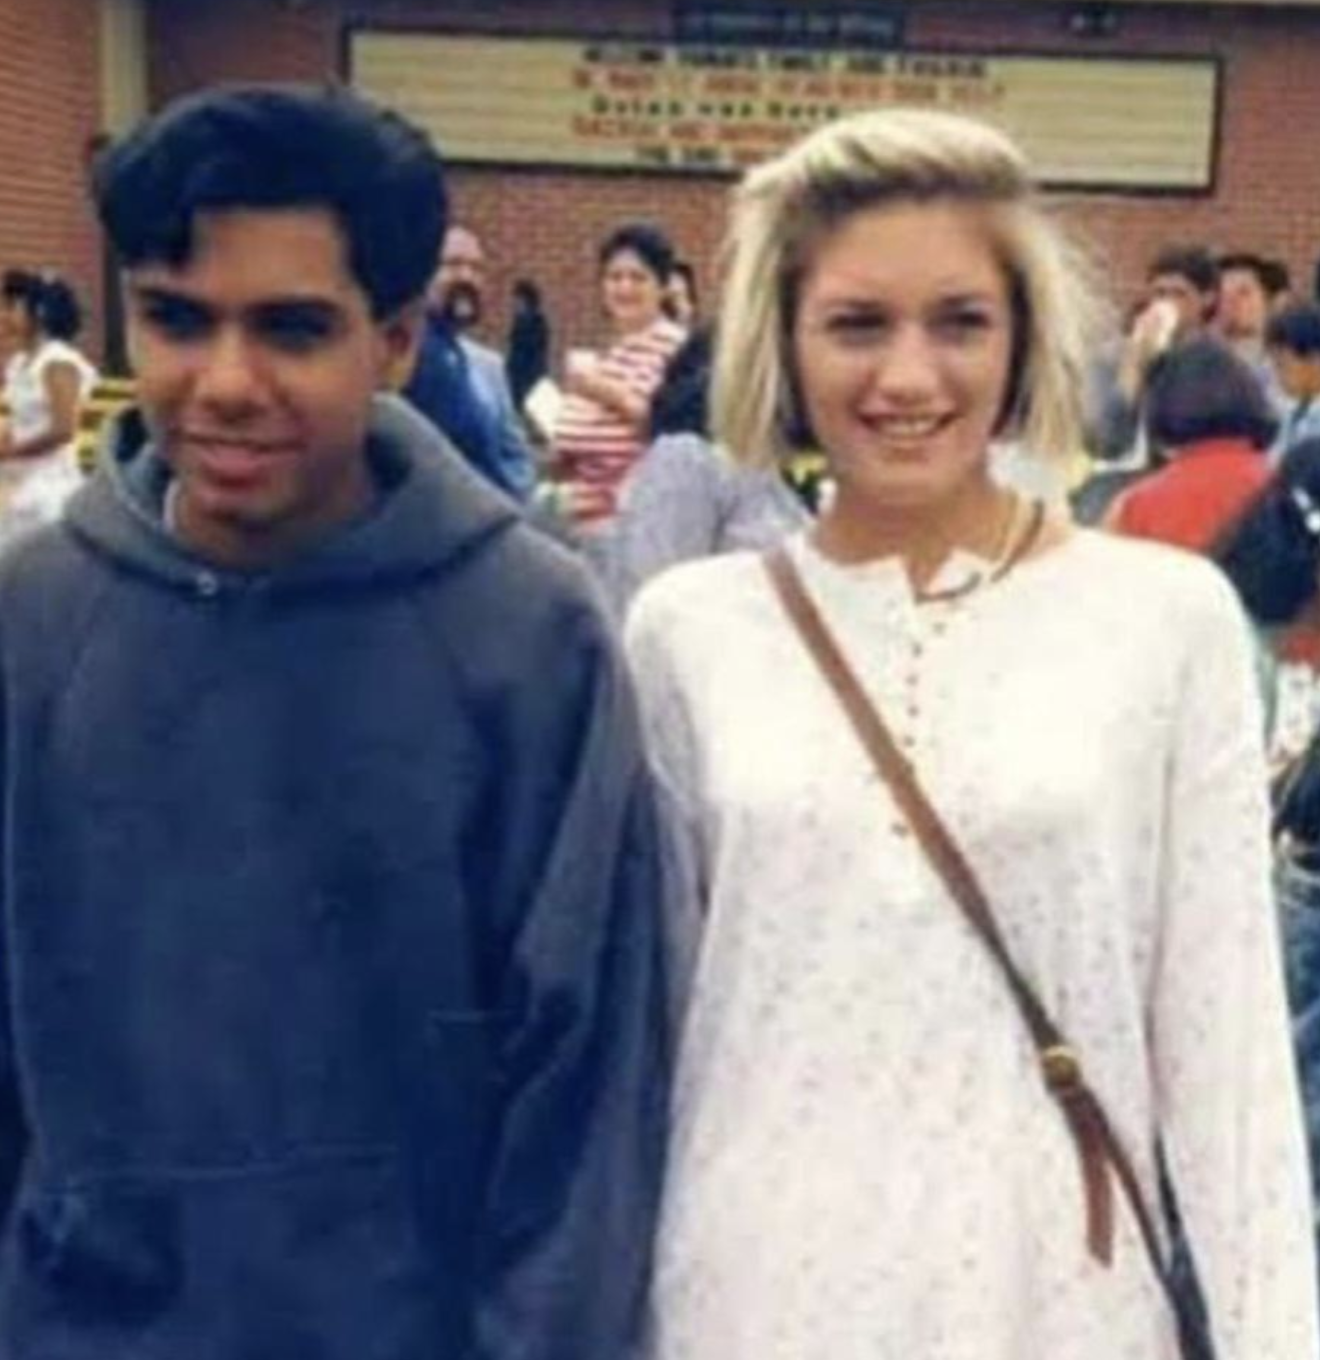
<point x="445" y="390"/>
<point x="331" y="1008"/>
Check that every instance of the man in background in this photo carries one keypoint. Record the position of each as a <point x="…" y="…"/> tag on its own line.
<point x="457" y="299"/>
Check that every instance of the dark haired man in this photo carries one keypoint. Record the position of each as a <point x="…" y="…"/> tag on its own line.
<point x="459" y="379"/>
<point x="1246" y="284"/>
<point x="1292" y="341"/>
<point x="331" y="1021"/>
<point x="1179" y="299"/>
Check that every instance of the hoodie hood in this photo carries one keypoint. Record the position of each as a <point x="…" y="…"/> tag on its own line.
<point x="432" y="508"/>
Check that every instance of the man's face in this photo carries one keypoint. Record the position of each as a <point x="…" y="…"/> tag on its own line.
<point x="1298" y="374"/>
<point x="257" y="359"/>
<point x="458" y="290"/>
<point x="1244" y="305"/>
<point x="1193" y="306"/>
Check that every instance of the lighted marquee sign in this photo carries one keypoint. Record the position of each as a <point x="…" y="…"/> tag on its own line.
<point x="1093" y="122"/>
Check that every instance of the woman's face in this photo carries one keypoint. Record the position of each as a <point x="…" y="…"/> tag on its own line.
<point x="17" y="327"/>
<point x="901" y="345"/>
<point x="631" y="292"/>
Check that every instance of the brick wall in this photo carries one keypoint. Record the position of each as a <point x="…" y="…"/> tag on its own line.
<point x="545" y="224"/>
<point x="49" y="109"/>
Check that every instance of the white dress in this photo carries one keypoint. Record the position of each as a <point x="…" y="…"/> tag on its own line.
<point x="865" y="1165"/>
<point x="38" y="487"/>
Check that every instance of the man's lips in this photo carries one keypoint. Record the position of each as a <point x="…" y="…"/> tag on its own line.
<point x="228" y="458"/>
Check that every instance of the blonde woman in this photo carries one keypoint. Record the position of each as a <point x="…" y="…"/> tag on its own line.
<point x="874" y="1153"/>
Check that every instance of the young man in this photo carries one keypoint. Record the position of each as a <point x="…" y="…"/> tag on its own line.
<point x="331" y="1016"/>
<point x="1181" y="287"/>
<point x="1246" y="299"/>
<point x="1292" y="341"/>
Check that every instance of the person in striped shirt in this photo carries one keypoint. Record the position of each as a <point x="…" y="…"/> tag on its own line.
<point x="600" y="430"/>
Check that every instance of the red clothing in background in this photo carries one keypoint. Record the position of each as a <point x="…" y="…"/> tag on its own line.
<point x="1196" y="497"/>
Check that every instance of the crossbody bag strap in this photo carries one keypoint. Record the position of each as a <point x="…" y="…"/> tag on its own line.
<point x="1097" y="1145"/>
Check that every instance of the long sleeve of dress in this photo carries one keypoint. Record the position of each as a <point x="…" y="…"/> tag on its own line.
<point x="1224" y="1069"/>
<point x="576" y="1165"/>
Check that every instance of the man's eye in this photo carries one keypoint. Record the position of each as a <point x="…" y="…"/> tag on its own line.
<point x="296" y="331"/>
<point x="176" y="320"/>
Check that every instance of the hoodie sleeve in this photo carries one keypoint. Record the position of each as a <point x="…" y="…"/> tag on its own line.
<point x="575" y="1172"/>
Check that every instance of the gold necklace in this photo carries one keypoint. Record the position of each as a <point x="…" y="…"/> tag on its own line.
<point x="1013" y="547"/>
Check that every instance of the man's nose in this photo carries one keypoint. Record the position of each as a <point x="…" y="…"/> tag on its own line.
<point x="230" y="377"/>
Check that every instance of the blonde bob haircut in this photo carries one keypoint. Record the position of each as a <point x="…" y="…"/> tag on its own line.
<point x="786" y="207"/>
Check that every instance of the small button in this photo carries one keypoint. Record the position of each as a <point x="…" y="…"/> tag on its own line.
<point x="206" y="584"/>
<point x="901" y="830"/>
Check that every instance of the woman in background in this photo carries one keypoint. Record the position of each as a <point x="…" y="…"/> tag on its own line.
<point x="46" y="381"/>
<point x="601" y="426"/>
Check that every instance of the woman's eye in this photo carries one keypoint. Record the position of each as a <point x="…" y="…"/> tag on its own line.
<point x="858" y="327"/>
<point x="963" y="324"/>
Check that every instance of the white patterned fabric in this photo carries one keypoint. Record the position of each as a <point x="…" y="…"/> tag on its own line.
<point x="865" y="1165"/>
<point x="38" y="487"/>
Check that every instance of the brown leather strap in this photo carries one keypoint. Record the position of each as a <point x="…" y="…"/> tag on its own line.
<point x="1098" y="1148"/>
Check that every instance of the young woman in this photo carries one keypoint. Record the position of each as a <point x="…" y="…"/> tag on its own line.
<point x="601" y="427"/>
<point x="872" y="1153"/>
<point x="45" y="383"/>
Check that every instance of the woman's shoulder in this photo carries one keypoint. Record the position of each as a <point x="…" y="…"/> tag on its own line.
<point x="1142" y="577"/>
<point x="61" y="352"/>
<point x="696" y="595"/>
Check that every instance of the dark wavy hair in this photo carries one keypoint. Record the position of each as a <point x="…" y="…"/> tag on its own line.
<point x="1191" y="262"/>
<point x="281" y="146"/>
<point x="1296" y="328"/>
<point x="646" y="241"/>
<point x="1200" y="389"/>
<point x="48" y="300"/>
<point x="1271" y="553"/>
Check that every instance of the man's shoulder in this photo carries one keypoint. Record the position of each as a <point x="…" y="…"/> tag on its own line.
<point x="478" y="353"/>
<point x="520" y="578"/>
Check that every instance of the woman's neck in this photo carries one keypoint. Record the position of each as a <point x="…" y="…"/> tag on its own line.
<point x="977" y="519"/>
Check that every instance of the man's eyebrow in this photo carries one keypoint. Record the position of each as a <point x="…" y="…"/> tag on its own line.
<point x="317" y="306"/>
<point x="157" y="293"/>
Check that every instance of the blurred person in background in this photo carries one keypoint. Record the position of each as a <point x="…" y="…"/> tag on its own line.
<point x="681" y="304"/>
<point x="46" y="382"/>
<point x="457" y="295"/>
<point x="1292" y="340"/>
<point x="528" y="358"/>
<point x="1179" y="298"/>
<point x="601" y="427"/>
<point x="1243" y="312"/>
<point x="1208" y="417"/>
<point x="685" y="497"/>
